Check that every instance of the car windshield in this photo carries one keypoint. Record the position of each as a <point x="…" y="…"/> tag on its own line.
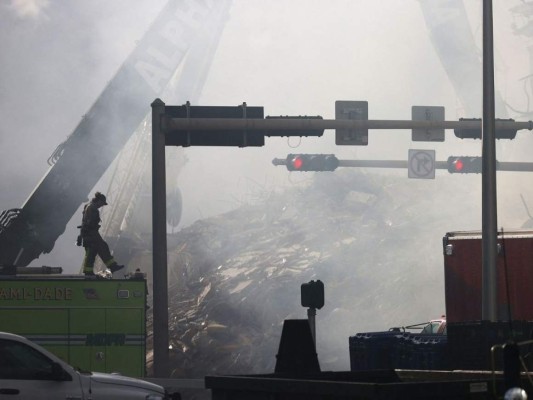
<point x="432" y="327"/>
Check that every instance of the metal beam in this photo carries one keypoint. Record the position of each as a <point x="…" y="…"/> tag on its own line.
<point x="501" y="166"/>
<point x="489" y="292"/>
<point x="159" y="244"/>
<point x="268" y="124"/>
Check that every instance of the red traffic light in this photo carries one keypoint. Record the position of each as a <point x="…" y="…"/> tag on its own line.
<point x="458" y="165"/>
<point x="464" y="165"/>
<point x="297" y="163"/>
<point x="311" y="162"/>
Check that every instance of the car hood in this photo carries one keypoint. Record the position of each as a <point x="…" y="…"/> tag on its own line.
<point x="116" y="379"/>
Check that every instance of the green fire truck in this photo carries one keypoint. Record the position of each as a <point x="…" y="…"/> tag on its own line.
<point x="92" y="324"/>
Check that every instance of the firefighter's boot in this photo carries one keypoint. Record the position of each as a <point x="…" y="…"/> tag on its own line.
<point x="115" y="267"/>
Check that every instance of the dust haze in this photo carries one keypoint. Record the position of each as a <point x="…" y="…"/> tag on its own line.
<point x="291" y="57"/>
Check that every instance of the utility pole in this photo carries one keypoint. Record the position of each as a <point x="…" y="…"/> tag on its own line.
<point x="159" y="245"/>
<point x="488" y="177"/>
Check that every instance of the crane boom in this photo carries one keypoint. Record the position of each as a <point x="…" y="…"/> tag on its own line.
<point x="87" y="153"/>
<point x="450" y="33"/>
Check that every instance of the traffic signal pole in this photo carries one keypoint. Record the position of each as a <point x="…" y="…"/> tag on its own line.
<point x="159" y="245"/>
<point x="489" y="292"/>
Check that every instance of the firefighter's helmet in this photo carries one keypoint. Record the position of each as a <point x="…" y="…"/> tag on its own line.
<point x="99" y="196"/>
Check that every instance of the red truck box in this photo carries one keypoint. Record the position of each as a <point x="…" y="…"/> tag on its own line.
<point x="462" y="276"/>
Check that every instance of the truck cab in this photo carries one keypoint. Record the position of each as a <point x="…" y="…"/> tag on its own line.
<point x="28" y="371"/>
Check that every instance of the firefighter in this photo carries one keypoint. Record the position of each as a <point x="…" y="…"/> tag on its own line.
<point x="91" y="239"/>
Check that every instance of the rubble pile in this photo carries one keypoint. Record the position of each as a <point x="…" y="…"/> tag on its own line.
<point x="374" y="241"/>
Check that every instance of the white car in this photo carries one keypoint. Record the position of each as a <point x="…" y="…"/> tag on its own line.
<point x="27" y="371"/>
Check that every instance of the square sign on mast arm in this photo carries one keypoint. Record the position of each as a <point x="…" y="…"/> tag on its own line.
<point x="427" y="113"/>
<point x="356" y="110"/>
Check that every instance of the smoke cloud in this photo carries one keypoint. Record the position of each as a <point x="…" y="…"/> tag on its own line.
<point x="292" y="58"/>
<point x="29" y="8"/>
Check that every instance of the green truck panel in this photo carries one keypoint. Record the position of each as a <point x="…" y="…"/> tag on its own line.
<point x="93" y="324"/>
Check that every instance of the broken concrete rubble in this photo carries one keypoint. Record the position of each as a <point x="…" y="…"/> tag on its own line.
<point x="374" y="242"/>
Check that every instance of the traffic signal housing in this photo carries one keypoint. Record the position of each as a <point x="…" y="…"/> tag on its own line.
<point x="312" y="294"/>
<point x="475" y="133"/>
<point x="298" y="132"/>
<point x="311" y="162"/>
<point x="464" y="165"/>
<point x="221" y="137"/>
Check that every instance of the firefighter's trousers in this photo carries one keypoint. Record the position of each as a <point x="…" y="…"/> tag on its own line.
<point x="96" y="246"/>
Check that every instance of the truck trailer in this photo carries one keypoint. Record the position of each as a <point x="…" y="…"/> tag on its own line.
<point x="470" y="338"/>
<point x="462" y="275"/>
<point x="92" y="324"/>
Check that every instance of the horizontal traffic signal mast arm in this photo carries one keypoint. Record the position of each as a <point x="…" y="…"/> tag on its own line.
<point x="501" y="166"/>
<point x="515" y="166"/>
<point x="369" y="163"/>
<point x="271" y="125"/>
